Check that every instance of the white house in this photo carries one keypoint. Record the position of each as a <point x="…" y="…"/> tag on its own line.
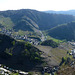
<point x="73" y="53"/>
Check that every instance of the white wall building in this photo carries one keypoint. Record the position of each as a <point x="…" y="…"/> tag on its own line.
<point x="73" y="53"/>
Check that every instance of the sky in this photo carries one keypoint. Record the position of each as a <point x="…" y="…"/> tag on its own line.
<point x="40" y="5"/>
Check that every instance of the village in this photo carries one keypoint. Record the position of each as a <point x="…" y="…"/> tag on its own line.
<point x="19" y="37"/>
<point x="4" y="70"/>
<point x="73" y="50"/>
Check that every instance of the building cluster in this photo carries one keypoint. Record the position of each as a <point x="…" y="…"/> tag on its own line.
<point x="5" y="31"/>
<point x="50" y="70"/>
<point x="19" y="37"/>
<point x="72" y="43"/>
<point x="73" y="50"/>
<point x="73" y="53"/>
<point x="4" y="70"/>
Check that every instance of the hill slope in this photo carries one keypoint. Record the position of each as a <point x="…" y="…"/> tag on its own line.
<point x="20" y="54"/>
<point x="31" y="20"/>
<point x="64" y="31"/>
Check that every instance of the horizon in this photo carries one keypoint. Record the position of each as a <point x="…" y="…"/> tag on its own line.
<point x="38" y="10"/>
<point x="39" y="5"/>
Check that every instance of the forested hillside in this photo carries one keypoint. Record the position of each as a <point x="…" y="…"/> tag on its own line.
<point x="32" y="20"/>
<point x="64" y="31"/>
<point x="50" y="43"/>
<point x="20" y="54"/>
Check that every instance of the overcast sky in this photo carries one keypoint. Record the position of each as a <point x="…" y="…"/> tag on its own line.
<point x="40" y="5"/>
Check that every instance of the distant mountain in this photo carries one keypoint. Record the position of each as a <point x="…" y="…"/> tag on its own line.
<point x="64" y="31"/>
<point x="31" y="20"/>
<point x="69" y="12"/>
<point x="20" y="54"/>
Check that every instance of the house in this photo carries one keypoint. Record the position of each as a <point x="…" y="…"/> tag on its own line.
<point x="73" y="53"/>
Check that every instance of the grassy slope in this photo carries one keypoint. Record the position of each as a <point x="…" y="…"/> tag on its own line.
<point x="67" y="71"/>
<point x="53" y="56"/>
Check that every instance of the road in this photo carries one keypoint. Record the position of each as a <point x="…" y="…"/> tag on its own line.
<point x="42" y="36"/>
